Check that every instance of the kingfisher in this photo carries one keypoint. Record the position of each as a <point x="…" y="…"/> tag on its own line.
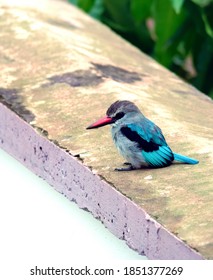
<point x="138" y="140"/>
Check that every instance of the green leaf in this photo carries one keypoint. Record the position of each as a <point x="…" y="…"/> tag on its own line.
<point x="119" y="12"/>
<point x="177" y="5"/>
<point x="203" y="60"/>
<point x="94" y="7"/>
<point x="97" y="9"/>
<point x="202" y="3"/>
<point x="74" y="2"/>
<point x="208" y="28"/>
<point x="167" y="24"/>
<point x="85" y="5"/>
<point x="211" y="93"/>
<point x="140" y="10"/>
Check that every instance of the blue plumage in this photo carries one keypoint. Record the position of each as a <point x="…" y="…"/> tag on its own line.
<point x="138" y="139"/>
<point x="150" y="142"/>
<point x="159" y="158"/>
<point x="185" y="159"/>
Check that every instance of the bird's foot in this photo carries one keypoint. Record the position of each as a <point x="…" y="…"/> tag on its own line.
<point x="129" y="168"/>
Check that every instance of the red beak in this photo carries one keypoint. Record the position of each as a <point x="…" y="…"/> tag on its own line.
<point x="104" y="121"/>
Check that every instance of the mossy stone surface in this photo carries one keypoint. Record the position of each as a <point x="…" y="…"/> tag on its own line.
<point x="60" y="71"/>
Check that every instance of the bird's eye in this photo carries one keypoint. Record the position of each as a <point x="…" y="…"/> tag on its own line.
<point x="119" y="116"/>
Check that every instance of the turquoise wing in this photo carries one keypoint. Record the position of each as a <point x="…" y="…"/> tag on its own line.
<point x="151" y="141"/>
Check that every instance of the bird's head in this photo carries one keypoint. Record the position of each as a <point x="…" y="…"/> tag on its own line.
<point x="117" y="111"/>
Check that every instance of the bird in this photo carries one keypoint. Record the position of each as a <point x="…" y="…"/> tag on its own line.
<point x="139" y="140"/>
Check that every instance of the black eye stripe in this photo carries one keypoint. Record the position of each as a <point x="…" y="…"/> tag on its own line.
<point x="119" y="116"/>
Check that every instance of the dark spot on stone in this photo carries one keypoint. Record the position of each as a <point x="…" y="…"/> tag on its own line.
<point x="158" y="230"/>
<point x="181" y="91"/>
<point x="85" y="209"/>
<point x="7" y="58"/>
<point x="34" y="150"/>
<point x="86" y="78"/>
<point x="40" y="130"/>
<point x="117" y="74"/>
<point x="55" y="142"/>
<point x="78" y="78"/>
<point x="61" y="23"/>
<point x="13" y="100"/>
<point x="77" y="155"/>
<point x="40" y="148"/>
<point x="74" y="200"/>
<point x="196" y="92"/>
<point x="123" y="235"/>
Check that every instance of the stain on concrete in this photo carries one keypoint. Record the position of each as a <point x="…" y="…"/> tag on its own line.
<point x="86" y="78"/>
<point x="117" y="74"/>
<point x="12" y="99"/>
<point x="78" y="78"/>
<point x="41" y="130"/>
<point x="182" y="92"/>
<point x="194" y="92"/>
<point x="61" y="23"/>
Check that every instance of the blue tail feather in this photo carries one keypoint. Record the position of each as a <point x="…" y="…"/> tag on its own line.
<point x="185" y="159"/>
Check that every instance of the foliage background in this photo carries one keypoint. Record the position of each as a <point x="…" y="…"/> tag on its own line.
<point x="177" y="33"/>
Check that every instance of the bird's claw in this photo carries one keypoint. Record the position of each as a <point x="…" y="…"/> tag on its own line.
<point x="129" y="168"/>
